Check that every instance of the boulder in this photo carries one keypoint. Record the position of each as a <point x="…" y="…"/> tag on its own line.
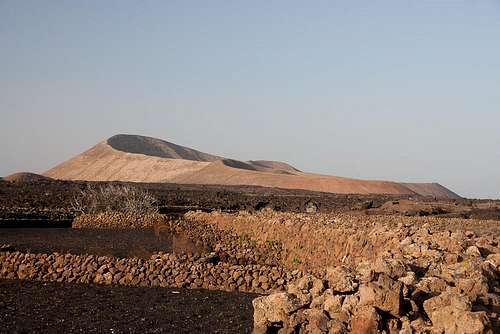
<point x="274" y="310"/>
<point x="419" y="325"/>
<point x="494" y="259"/>
<point x="385" y="294"/>
<point x="317" y="321"/>
<point x="295" y="322"/>
<point x="409" y="279"/>
<point x="341" y="279"/>
<point x="473" y="251"/>
<point x="332" y="304"/>
<point x="336" y="327"/>
<point x="365" y="272"/>
<point x="391" y="267"/>
<point x="317" y="287"/>
<point x="473" y="287"/>
<point x="432" y="285"/>
<point x="451" y="312"/>
<point x="305" y="288"/>
<point x="317" y="302"/>
<point x="350" y="302"/>
<point x="365" y="320"/>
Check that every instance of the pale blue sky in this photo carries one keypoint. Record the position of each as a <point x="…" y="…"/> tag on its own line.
<point x="398" y="90"/>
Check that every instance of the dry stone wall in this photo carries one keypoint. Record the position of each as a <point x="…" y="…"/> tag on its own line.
<point x="162" y="269"/>
<point x="118" y="220"/>
<point x="189" y="236"/>
<point x="313" y="242"/>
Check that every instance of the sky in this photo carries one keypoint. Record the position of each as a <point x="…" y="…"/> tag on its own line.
<point x="392" y="89"/>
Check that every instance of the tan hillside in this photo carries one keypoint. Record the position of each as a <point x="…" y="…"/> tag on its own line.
<point x="145" y="159"/>
<point x="220" y="173"/>
<point x="104" y="163"/>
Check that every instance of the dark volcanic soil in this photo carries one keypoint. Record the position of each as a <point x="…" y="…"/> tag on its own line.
<point x="48" y="203"/>
<point x="119" y="243"/>
<point x="59" y="194"/>
<point x="36" y="307"/>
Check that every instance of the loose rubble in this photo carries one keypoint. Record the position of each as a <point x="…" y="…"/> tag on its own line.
<point x="430" y="281"/>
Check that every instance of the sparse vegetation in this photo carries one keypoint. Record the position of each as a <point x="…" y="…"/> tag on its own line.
<point x="244" y="238"/>
<point x="275" y="245"/>
<point x="117" y="198"/>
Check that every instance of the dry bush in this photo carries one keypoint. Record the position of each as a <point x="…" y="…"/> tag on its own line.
<point x="116" y="198"/>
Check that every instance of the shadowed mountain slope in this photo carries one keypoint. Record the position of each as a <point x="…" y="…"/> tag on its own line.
<point x="157" y="148"/>
<point x="273" y="165"/>
<point x="431" y="189"/>
<point x="146" y="159"/>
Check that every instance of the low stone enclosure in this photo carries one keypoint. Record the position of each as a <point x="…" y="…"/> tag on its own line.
<point x="118" y="220"/>
<point x="164" y="270"/>
<point x="321" y="273"/>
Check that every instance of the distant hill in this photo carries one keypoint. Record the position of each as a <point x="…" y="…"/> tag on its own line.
<point x="145" y="159"/>
<point x="26" y="177"/>
<point x="431" y="189"/>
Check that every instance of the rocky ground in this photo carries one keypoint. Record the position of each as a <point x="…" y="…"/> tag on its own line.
<point x="370" y="274"/>
<point x="323" y="273"/>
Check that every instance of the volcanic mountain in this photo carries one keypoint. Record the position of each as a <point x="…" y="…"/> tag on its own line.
<point x="145" y="159"/>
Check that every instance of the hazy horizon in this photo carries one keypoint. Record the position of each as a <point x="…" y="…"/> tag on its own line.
<point x="404" y="91"/>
